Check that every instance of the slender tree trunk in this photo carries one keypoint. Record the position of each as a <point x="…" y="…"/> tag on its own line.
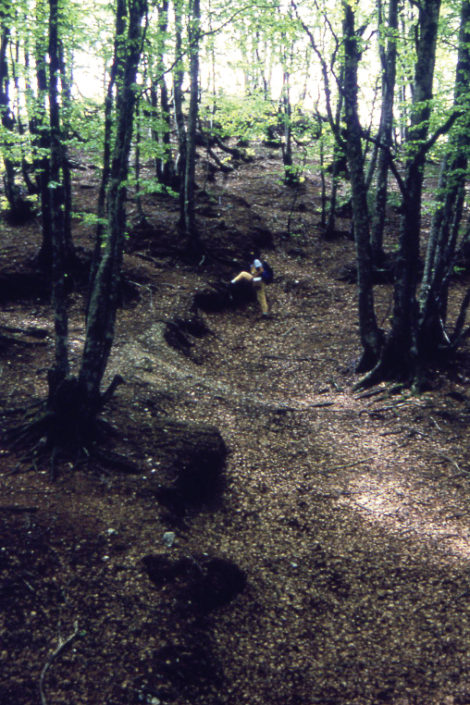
<point x="19" y="209"/>
<point x="330" y="230"/>
<point x="40" y="130"/>
<point x="290" y="177"/>
<point x="447" y="218"/>
<point x="371" y="337"/>
<point x="137" y="158"/>
<point x="338" y="156"/>
<point x="66" y="93"/>
<point x="404" y="328"/>
<point x="178" y="77"/>
<point x="189" y="206"/>
<point x="388" y="53"/>
<point x="107" y="279"/>
<point x="107" y="144"/>
<point x="6" y="115"/>
<point x="400" y="357"/>
<point x="57" y="210"/>
<point x="165" y="167"/>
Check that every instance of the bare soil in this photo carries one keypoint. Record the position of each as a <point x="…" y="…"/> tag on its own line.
<point x="343" y="527"/>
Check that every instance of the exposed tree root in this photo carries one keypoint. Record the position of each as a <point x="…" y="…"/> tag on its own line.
<point x="66" y="428"/>
<point x="116" y="461"/>
<point x="66" y="425"/>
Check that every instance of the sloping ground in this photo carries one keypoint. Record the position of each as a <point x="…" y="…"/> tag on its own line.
<point x="347" y="512"/>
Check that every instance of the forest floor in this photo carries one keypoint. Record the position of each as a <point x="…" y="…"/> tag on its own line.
<point x="349" y="512"/>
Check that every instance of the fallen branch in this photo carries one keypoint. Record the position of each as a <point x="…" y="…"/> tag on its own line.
<point x="319" y="404"/>
<point x="291" y="358"/>
<point x="435" y="423"/>
<point x="63" y="643"/>
<point x="31" y="331"/>
<point x="13" y="509"/>
<point x="347" y="465"/>
<point x="389" y="407"/>
<point x="452" y="462"/>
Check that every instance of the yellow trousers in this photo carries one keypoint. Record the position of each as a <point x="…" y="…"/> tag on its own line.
<point x="260" y="288"/>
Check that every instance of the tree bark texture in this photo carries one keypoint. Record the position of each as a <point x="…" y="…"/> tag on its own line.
<point x="6" y="114"/>
<point x="388" y="55"/>
<point x="40" y="130"/>
<point x="189" y="206"/>
<point x="178" y="77"/>
<point x="447" y="218"/>
<point x="371" y="338"/>
<point x="401" y="353"/>
<point x="106" y="283"/>
<point x="56" y="203"/>
<point x="107" y="146"/>
<point x="164" y="163"/>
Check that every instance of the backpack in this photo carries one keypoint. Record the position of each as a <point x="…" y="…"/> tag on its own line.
<point x="268" y="274"/>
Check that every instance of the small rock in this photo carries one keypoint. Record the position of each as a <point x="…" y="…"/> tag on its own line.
<point x="145" y="364"/>
<point x="169" y="538"/>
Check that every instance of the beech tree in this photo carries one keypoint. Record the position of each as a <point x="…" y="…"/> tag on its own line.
<point x="387" y="53"/>
<point x="446" y="223"/>
<point x="16" y="204"/>
<point x="104" y="291"/>
<point x="69" y="414"/>
<point x="417" y="325"/>
<point x="371" y="337"/>
<point x="187" y="193"/>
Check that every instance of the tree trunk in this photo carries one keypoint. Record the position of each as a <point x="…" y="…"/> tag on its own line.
<point x="404" y="327"/>
<point x="178" y="77"/>
<point x="290" y="177"/>
<point x="40" y="130"/>
<point x="106" y="282"/>
<point x="447" y="218"/>
<point x="388" y="56"/>
<point x="338" y="155"/>
<point x="11" y="191"/>
<point x="56" y="201"/>
<point x="165" y="168"/>
<point x="371" y="337"/>
<point x="188" y="201"/>
<point x="66" y="94"/>
<point x="107" y="146"/>
<point x="400" y="355"/>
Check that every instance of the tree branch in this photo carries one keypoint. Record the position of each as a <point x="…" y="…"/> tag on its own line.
<point x="63" y="643"/>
